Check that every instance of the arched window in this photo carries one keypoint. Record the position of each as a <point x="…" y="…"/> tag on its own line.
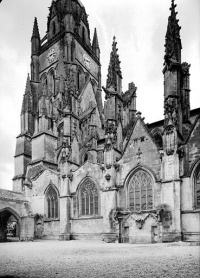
<point x="85" y="157"/>
<point x="44" y="84"/>
<point x="52" y="203"/>
<point x="83" y="34"/>
<point x="88" y="198"/>
<point x="51" y="83"/>
<point x="53" y="28"/>
<point x="140" y="191"/>
<point x="158" y="139"/>
<point x="78" y="80"/>
<point x="197" y="187"/>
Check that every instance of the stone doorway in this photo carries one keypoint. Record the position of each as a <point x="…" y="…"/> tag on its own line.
<point x="9" y="225"/>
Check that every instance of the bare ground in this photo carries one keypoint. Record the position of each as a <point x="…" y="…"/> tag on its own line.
<point x="98" y="259"/>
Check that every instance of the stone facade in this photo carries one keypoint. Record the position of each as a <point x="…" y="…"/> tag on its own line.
<point x="88" y="171"/>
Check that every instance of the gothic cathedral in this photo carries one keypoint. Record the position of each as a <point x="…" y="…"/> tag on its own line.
<point x="88" y="170"/>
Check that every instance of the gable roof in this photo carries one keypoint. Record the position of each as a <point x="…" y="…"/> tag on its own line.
<point x="131" y="132"/>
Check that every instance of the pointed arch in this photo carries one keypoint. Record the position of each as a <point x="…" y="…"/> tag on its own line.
<point x="88" y="198"/>
<point x="139" y="186"/>
<point x="83" y="34"/>
<point x="196" y="184"/>
<point x="11" y="212"/>
<point x="51" y="82"/>
<point x="52" y="202"/>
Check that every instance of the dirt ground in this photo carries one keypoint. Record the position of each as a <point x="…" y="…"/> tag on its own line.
<point x="98" y="259"/>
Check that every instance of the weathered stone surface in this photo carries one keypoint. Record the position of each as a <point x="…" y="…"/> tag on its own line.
<point x="141" y="181"/>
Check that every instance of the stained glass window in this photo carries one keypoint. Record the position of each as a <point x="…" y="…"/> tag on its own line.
<point x="140" y="192"/>
<point x="88" y="198"/>
<point x="52" y="203"/>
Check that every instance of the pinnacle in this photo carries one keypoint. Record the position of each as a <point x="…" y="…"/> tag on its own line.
<point x="35" y="29"/>
<point x="28" y="85"/>
<point x="26" y="104"/>
<point x="172" y="39"/>
<point x="114" y="66"/>
<point x="95" y="43"/>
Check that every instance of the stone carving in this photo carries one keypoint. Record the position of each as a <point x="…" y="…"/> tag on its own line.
<point x="70" y="175"/>
<point x="170" y="140"/>
<point x="172" y="39"/>
<point x="180" y="152"/>
<point x="108" y="166"/>
<point x="114" y="68"/>
<point x="108" y="177"/>
<point x="185" y="68"/>
<point x="138" y="154"/>
<point x="171" y="110"/>
<point x="102" y="167"/>
<point x="117" y="167"/>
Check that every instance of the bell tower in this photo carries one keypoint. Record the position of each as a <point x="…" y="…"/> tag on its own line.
<point x="176" y="77"/>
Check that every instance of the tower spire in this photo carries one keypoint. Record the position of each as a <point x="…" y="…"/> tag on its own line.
<point x="114" y="70"/>
<point x="172" y="39"/>
<point x="27" y="99"/>
<point x="95" y="44"/>
<point x="35" y="33"/>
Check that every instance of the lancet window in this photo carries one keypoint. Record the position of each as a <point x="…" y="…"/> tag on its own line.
<point x="197" y="187"/>
<point x="140" y="191"/>
<point x="52" y="203"/>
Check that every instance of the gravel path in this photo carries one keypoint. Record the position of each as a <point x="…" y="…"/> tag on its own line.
<point x="97" y="259"/>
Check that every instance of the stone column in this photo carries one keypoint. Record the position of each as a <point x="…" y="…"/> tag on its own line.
<point x="65" y="203"/>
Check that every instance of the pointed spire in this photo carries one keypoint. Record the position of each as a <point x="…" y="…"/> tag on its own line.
<point x="27" y="98"/>
<point x="35" y="33"/>
<point x="114" y="69"/>
<point x="95" y="43"/>
<point x="35" y="39"/>
<point x="172" y="39"/>
<point x="28" y="86"/>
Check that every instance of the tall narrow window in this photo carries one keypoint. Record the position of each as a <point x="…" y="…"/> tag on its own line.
<point x="83" y="34"/>
<point x="51" y="87"/>
<point x="52" y="203"/>
<point x="158" y="139"/>
<point x="54" y="28"/>
<point x="88" y="198"/>
<point x="197" y="187"/>
<point x="140" y="192"/>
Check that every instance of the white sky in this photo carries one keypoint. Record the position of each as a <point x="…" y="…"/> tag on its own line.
<point x="139" y="26"/>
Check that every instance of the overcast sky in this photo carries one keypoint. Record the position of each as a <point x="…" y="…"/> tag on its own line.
<point x="139" y="26"/>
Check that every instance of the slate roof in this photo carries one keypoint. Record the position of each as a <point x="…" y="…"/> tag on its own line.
<point x="11" y="195"/>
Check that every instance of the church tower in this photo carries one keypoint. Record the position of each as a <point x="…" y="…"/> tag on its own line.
<point x="176" y="77"/>
<point x="113" y="107"/>
<point x="176" y="119"/>
<point x="62" y="62"/>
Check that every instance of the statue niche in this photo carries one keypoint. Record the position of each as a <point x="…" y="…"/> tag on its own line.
<point x="170" y="140"/>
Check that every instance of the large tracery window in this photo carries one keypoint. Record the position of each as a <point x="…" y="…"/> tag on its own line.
<point x="197" y="187"/>
<point x="88" y="198"/>
<point x="140" y="191"/>
<point x="52" y="203"/>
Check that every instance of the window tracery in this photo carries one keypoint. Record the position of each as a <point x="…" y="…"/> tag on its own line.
<point x="140" y="191"/>
<point x="197" y="187"/>
<point x="52" y="203"/>
<point x="88" y="198"/>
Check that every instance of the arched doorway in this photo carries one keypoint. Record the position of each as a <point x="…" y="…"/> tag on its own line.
<point x="9" y="225"/>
